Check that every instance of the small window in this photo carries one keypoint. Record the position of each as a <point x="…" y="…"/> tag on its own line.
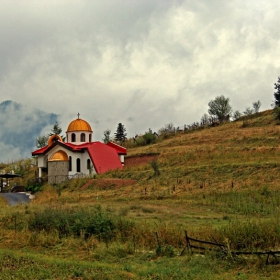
<point x="83" y="137"/>
<point x="73" y="137"/>
<point x="90" y="138"/>
<point x="70" y="163"/>
<point x="88" y="164"/>
<point x="78" y="165"/>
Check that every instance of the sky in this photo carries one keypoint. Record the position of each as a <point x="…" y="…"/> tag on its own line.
<point x="142" y="63"/>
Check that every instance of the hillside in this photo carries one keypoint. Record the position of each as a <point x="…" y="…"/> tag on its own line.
<point x="233" y="154"/>
<point x="219" y="184"/>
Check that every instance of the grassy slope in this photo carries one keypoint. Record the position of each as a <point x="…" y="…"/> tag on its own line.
<point x="211" y="179"/>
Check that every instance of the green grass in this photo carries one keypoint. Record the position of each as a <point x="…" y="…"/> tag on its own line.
<point x="220" y="183"/>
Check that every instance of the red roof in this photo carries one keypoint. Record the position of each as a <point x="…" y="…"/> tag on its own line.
<point x="121" y="150"/>
<point x="104" y="157"/>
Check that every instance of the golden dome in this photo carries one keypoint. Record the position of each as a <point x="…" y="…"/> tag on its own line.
<point x="59" y="156"/>
<point x="53" y="138"/>
<point x="79" y="125"/>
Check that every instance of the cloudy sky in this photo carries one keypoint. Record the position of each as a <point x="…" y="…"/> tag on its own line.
<point x="144" y="63"/>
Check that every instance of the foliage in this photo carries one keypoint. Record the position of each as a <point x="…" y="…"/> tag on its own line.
<point x="205" y="120"/>
<point x="155" y="166"/>
<point x="120" y="134"/>
<point x="248" y="111"/>
<point x="168" y="128"/>
<point x="251" y="234"/>
<point x="236" y="115"/>
<point x="149" y="138"/>
<point x="256" y="106"/>
<point x="220" y="108"/>
<point x="107" y="137"/>
<point x="276" y="112"/>
<point x="165" y="251"/>
<point x="34" y="188"/>
<point x="74" y="223"/>
<point x="42" y="141"/>
<point x="56" y="129"/>
<point x="277" y="93"/>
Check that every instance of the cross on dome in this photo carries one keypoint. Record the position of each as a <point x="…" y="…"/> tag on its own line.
<point x="78" y="115"/>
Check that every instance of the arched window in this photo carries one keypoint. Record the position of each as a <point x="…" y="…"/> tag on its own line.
<point x="83" y="137"/>
<point x="88" y="164"/>
<point x="73" y="137"/>
<point x="70" y="163"/>
<point x="90" y="138"/>
<point x="78" y="165"/>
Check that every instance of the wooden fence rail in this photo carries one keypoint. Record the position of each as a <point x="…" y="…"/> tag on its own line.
<point x="225" y="250"/>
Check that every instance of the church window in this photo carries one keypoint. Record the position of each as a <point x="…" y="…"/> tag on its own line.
<point x="83" y="137"/>
<point x="90" y="138"/>
<point x="73" y="137"/>
<point x="70" y="163"/>
<point x="78" y="165"/>
<point x="88" y="164"/>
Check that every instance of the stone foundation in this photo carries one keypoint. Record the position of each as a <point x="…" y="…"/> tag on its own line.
<point x="57" y="171"/>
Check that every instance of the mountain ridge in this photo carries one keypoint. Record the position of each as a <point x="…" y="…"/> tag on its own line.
<point x="20" y="127"/>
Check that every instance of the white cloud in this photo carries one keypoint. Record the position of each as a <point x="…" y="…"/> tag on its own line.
<point x="142" y="63"/>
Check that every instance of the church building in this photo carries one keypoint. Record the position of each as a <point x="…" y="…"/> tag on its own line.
<point x="78" y="155"/>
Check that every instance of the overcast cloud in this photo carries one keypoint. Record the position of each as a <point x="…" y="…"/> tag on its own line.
<point x="144" y="63"/>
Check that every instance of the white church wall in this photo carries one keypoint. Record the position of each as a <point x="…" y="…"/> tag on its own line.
<point x="78" y="137"/>
<point x="83" y="163"/>
<point x="41" y="161"/>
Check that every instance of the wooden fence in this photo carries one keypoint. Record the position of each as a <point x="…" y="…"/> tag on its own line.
<point x="201" y="246"/>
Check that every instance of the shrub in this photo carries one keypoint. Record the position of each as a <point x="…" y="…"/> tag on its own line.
<point x="155" y="167"/>
<point x="149" y="138"/>
<point x="80" y="223"/>
<point x="276" y="112"/>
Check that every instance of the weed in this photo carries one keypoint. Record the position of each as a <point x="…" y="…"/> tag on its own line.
<point x="155" y="166"/>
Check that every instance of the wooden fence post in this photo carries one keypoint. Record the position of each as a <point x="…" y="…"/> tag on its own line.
<point x="188" y="245"/>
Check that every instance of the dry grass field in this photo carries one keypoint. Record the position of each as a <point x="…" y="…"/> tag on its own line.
<point x="219" y="183"/>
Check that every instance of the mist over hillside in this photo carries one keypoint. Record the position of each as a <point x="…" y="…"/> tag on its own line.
<point x="20" y="126"/>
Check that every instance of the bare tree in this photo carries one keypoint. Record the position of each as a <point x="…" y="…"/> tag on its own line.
<point x="205" y="120"/>
<point x="248" y="111"/>
<point x="256" y="106"/>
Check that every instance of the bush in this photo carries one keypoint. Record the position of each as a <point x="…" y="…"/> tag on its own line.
<point x="149" y="138"/>
<point x="276" y="112"/>
<point x="34" y="188"/>
<point x="155" y="167"/>
<point x="79" y="223"/>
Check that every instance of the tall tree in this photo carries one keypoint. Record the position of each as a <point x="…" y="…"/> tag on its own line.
<point x="56" y="130"/>
<point x="220" y="108"/>
<point x="120" y="135"/>
<point x="107" y="137"/>
<point x="277" y="93"/>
